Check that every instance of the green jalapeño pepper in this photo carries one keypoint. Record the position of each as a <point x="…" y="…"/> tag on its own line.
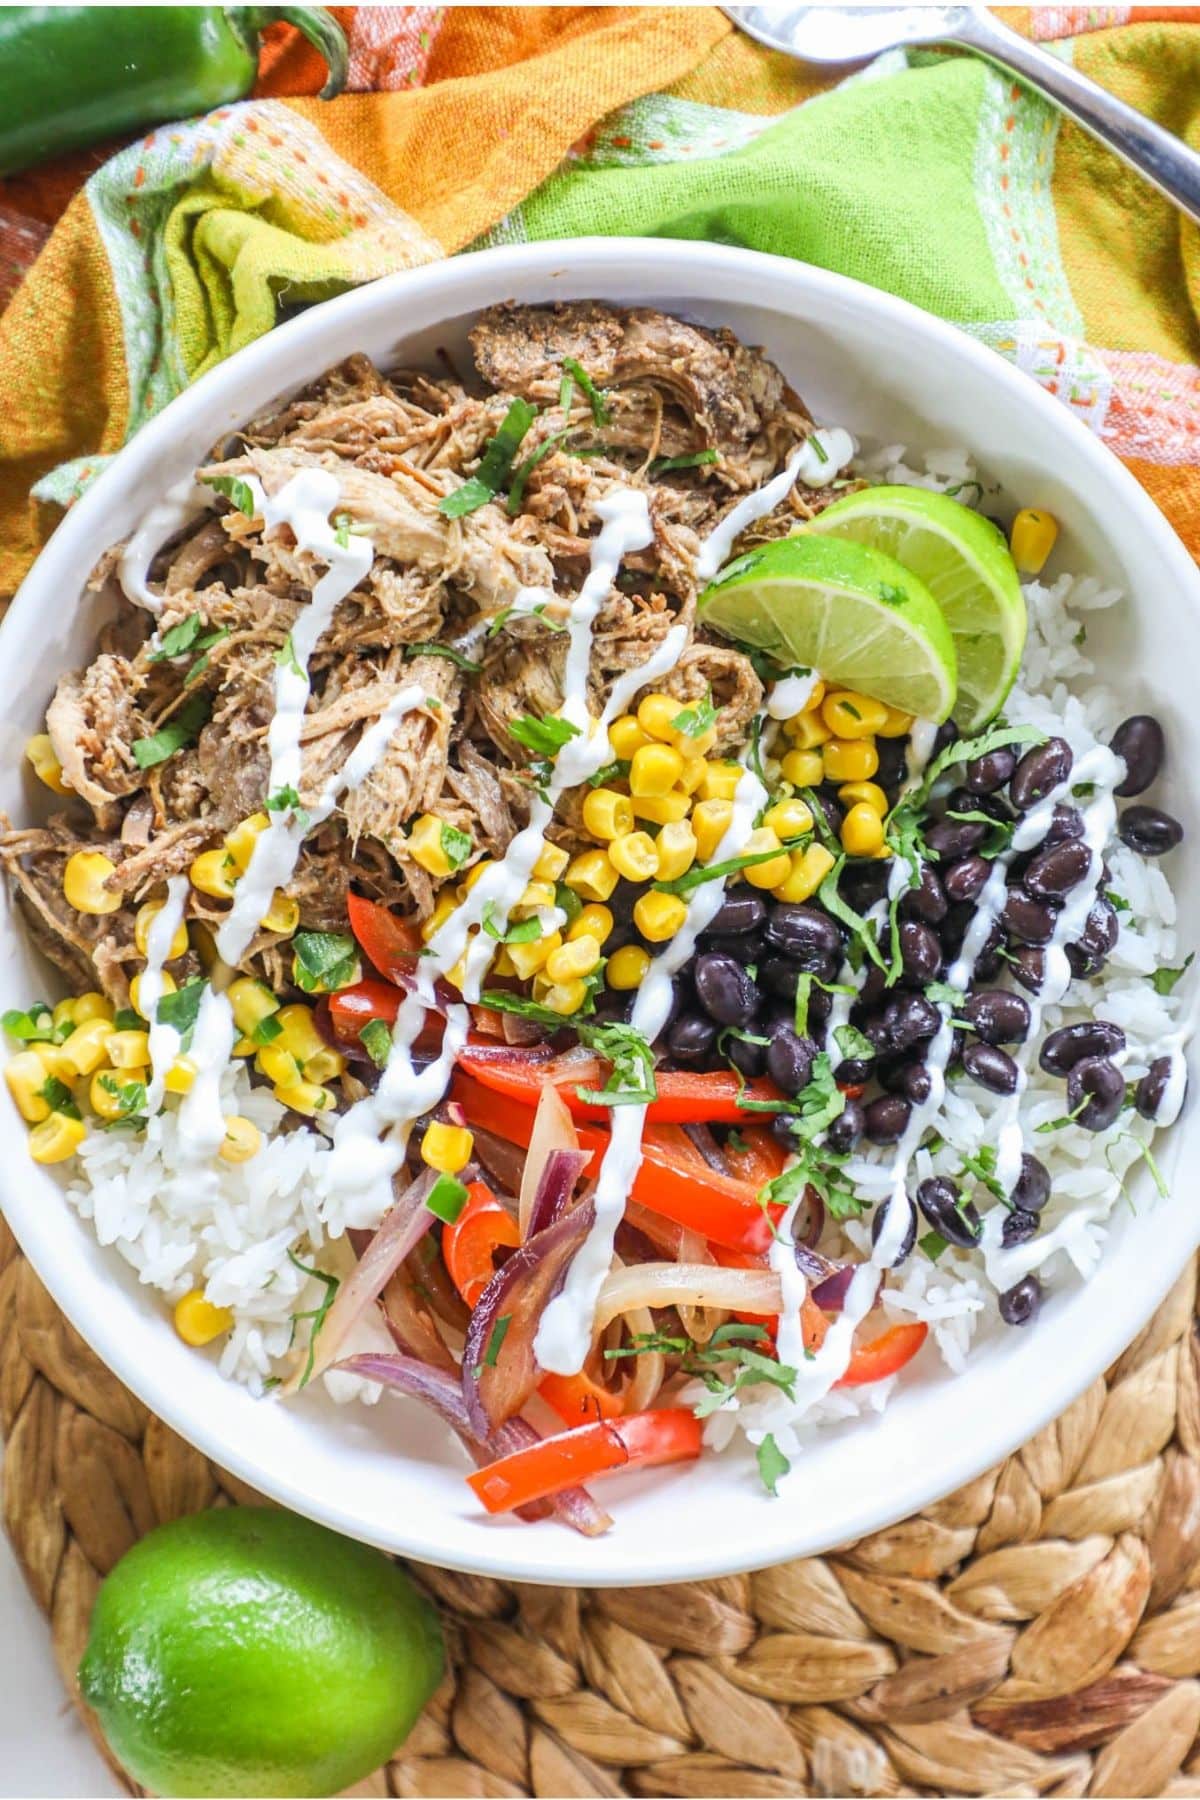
<point x="72" y="75"/>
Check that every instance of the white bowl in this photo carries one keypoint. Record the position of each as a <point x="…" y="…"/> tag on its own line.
<point x="390" y="1474"/>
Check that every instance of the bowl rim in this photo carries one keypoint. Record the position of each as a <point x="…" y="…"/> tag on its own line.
<point x="292" y="352"/>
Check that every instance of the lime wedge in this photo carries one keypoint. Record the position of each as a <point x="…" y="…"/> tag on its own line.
<point x="856" y="616"/>
<point x="964" y="562"/>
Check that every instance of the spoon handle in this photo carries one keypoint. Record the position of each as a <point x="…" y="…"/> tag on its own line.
<point x="1154" y="152"/>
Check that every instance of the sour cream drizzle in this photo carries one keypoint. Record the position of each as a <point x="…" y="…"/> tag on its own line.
<point x="819" y="460"/>
<point x="179" y="506"/>
<point x="164" y="1039"/>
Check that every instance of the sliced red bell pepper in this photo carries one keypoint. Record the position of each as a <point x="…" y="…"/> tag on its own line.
<point x="392" y="944"/>
<point x="643" y="1440"/>
<point x="683" y="1098"/>
<point x="756" y="1156"/>
<point x="353" y="1007"/>
<point x="469" y="1246"/>
<point x="884" y="1354"/>
<point x="577" y="1398"/>
<point x="719" y="1208"/>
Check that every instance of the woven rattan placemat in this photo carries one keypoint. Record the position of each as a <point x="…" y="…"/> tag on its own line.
<point x="1036" y="1633"/>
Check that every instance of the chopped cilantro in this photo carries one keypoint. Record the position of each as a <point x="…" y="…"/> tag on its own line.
<point x="516" y="492"/>
<point x="286" y="657"/>
<point x="181" y="1009"/>
<point x="323" y="961"/>
<point x="495" y="1342"/>
<point x="596" y="398"/>
<point x="235" y="489"/>
<point x="694" y="721"/>
<point x="494" y="465"/>
<point x="853" y="1043"/>
<point x="663" y="465"/>
<point x="544" y="737"/>
<point x="632" y="1080"/>
<point x="33" y="1027"/>
<point x="179" y="638"/>
<point x="613" y="771"/>
<point x="773" y="1465"/>
<point x="58" y="1097"/>
<point x="183" y="729"/>
<point x="317" y="1313"/>
<point x="456" y="846"/>
<point x="523" y="931"/>
<point x="813" y="440"/>
<point x="465" y="663"/>
<point x="1165" y="981"/>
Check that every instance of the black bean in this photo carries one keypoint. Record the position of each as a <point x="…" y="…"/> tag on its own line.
<point x="910" y="1230"/>
<point x="1028" y="919"/>
<point x="992" y="806"/>
<point x="863" y="883"/>
<point x="1063" y="1048"/>
<point x="790" y="1059"/>
<point x="691" y="1040"/>
<point x="776" y="975"/>
<point x="742" y="949"/>
<point x="920" y="952"/>
<point x="724" y="989"/>
<point x="997" y="1016"/>
<point x="987" y="963"/>
<point x="909" y="1020"/>
<point x="614" y="1008"/>
<point x="1039" y="771"/>
<point x="1018" y="1228"/>
<point x="749" y="1059"/>
<point x="965" y="880"/>
<point x="808" y="937"/>
<point x="1021" y="1303"/>
<point x="947" y="734"/>
<point x="1096" y="939"/>
<point x="1028" y="966"/>
<point x="1139" y="742"/>
<point x="1054" y="872"/>
<point x="854" y="1071"/>
<point x="1095" y="1093"/>
<point x="1065" y="822"/>
<point x="925" y="901"/>
<point x="1153" y="1086"/>
<point x="984" y="774"/>
<point x="892" y="759"/>
<point x="885" y="1119"/>
<point x="1033" y="1185"/>
<point x="739" y="912"/>
<point x="906" y="1077"/>
<point x="1149" y="830"/>
<point x="873" y="988"/>
<point x="991" y="1067"/>
<point x="848" y="1127"/>
<point x="951" y="1216"/>
<point x="950" y="839"/>
<point x="830" y="809"/>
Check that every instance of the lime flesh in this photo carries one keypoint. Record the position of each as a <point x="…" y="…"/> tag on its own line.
<point x="965" y="563"/>
<point x="248" y="1651"/>
<point x="856" y="616"/>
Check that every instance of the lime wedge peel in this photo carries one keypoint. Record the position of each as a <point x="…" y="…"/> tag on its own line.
<point x="854" y="614"/>
<point x="965" y="563"/>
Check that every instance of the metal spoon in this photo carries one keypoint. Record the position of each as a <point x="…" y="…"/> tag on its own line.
<point x="837" y="34"/>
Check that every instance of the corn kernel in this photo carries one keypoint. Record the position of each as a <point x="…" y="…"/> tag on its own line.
<point x="283" y="914"/>
<point x="144" y="919"/>
<point x="298" y="1031"/>
<point x="654" y="770"/>
<point x="574" y="959"/>
<point x="691" y="778"/>
<point x="815" y="697"/>
<point x="864" y="793"/>
<point x="527" y="959"/>
<point x="591" y="875"/>
<point x="26" y="1077"/>
<point x="853" y="715"/>
<point x="166" y="986"/>
<point x="766" y="874"/>
<point x="129" y="1049"/>
<point x="808" y="730"/>
<point x="695" y="747"/>
<point x="897" y="724"/>
<point x="676" y="846"/>
<point x="803" y="768"/>
<point x="241" y="840"/>
<point x="83" y="883"/>
<point x="592" y="921"/>
<point x="447" y="1148"/>
<point x="198" y="1321"/>
<point x="39" y="753"/>
<point x="443" y="906"/>
<point x="1032" y="539"/>
<point x="634" y="856"/>
<point x="277" y="1064"/>
<point x="789" y="818"/>
<point x="720" y="780"/>
<point x="850" y="759"/>
<point x="242" y="1140"/>
<point x="565" y="997"/>
<point x="86" y="1048"/>
<point x="180" y="1078"/>
<point x="251" y="1002"/>
<point x="626" y="736"/>
<point x="862" y="831"/>
<point x="552" y="860"/>
<point x="659" y="916"/>
<point x="64" y="1013"/>
<point x="710" y="821"/>
<point x="425" y="846"/>
<point x="808" y="870"/>
<point x="663" y="809"/>
<point x="657" y="714"/>
<point x="93" y="1006"/>
<point x="244" y="1046"/>
<point x="533" y="895"/>
<point x="104" y="1095"/>
<point x="626" y="968"/>
<point x="56" y="1138"/>
<point x="214" y="872"/>
<point x="606" y="814"/>
<point x="326" y="1064"/>
<point x="304" y="1097"/>
<point x="472" y="875"/>
<point x="502" y="962"/>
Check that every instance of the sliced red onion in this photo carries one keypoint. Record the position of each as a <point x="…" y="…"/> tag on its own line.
<point x="404" y="1223"/>
<point x="709" y="1148"/>
<point x="555" y="1186"/>
<point x="830" y="1294"/>
<point x="444" y="1395"/>
<point x="498" y="1381"/>
<point x="810" y="1217"/>
<point x="521" y="1032"/>
<point x="503" y="1162"/>
<point x="553" y="1129"/>
<point x="812" y="1264"/>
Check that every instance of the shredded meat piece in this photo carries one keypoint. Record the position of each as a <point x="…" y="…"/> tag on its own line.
<point x="409" y="776"/>
<point x="93" y="721"/>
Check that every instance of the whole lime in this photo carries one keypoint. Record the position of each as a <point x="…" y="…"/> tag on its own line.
<point x="252" y="1652"/>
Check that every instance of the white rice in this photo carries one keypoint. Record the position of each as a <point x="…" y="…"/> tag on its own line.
<point x="233" y="1240"/>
